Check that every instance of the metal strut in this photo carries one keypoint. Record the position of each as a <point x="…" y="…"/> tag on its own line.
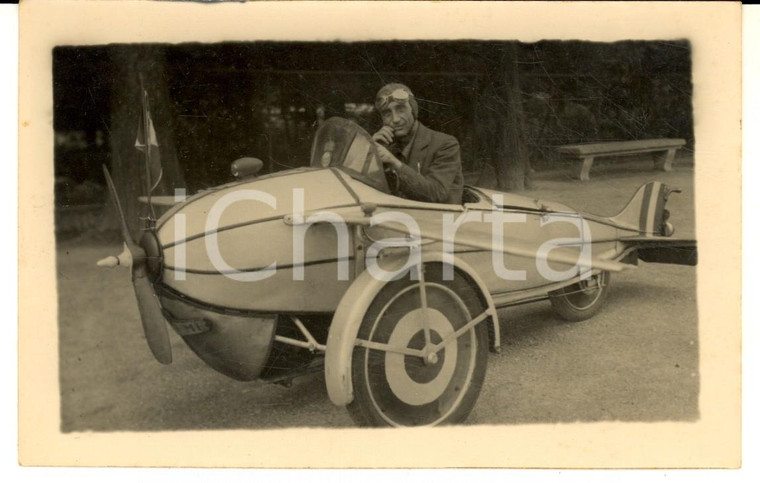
<point x="310" y="343"/>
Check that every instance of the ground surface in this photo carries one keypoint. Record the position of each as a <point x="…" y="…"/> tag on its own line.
<point x="635" y="361"/>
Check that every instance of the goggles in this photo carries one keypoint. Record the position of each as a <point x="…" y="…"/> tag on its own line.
<point x="399" y="95"/>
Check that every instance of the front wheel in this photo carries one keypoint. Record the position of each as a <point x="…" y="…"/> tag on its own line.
<point x="393" y="388"/>
<point x="581" y="300"/>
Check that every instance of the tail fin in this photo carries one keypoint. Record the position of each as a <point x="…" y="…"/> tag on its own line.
<point x="646" y="211"/>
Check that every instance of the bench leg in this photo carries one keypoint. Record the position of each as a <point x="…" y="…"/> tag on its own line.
<point x="585" y="168"/>
<point x="664" y="160"/>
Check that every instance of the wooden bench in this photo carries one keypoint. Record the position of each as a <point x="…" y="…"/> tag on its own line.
<point x="664" y="151"/>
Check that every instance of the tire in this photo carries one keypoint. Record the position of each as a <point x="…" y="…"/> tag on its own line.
<point x="581" y="300"/>
<point x="392" y="389"/>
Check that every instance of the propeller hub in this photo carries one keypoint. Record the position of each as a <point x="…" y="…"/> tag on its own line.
<point x="154" y="258"/>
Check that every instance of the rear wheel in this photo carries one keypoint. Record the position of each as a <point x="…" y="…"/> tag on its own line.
<point x="441" y="386"/>
<point x="581" y="300"/>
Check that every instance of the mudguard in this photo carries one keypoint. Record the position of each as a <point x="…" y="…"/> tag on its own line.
<point x="348" y="317"/>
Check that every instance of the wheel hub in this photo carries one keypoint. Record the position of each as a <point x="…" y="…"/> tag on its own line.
<point x="403" y="385"/>
<point x="431" y="358"/>
<point x="591" y="284"/>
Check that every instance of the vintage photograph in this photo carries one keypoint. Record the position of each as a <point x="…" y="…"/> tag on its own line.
<point x="211" y="148"/>
<point x="356" y="233"/>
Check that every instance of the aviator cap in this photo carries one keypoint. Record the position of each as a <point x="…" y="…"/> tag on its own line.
<point x="395" y="92"/>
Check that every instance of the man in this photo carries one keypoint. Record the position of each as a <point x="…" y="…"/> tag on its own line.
<point x="426" y="162"/>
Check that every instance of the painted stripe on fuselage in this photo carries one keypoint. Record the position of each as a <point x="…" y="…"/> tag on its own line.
<point x="659" y="210"/>
<point x="242" y="224"/>
<point x="645" y="207"/>
<point x="210" y="191"/>
<point x="652" y="206"/>
<point x="257" y="269"/>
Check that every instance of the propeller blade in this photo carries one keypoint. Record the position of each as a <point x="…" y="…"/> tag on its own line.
<point x="151" y="316"/>
<point x="123" y="222"/>
<point x="153" y="321"/>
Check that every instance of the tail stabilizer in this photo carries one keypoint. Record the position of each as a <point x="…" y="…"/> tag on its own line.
<point x="646" y="212"/>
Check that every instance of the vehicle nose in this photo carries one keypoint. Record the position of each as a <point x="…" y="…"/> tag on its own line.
<point x="154" y="258"/>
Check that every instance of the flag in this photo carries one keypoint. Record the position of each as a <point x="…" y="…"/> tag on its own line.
<point x="152" y="157"/>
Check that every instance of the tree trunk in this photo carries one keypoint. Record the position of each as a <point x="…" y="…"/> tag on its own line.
<point x="510" y="160"/>
<point x="128" y="164"/>
<point x="515" y="170"/>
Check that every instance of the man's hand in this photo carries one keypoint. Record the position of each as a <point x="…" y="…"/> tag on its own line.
<point x="384" y="136"/>
<point x="386" y="156"/>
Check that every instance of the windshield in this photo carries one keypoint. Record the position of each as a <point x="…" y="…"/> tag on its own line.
<point x="343" y="144"/>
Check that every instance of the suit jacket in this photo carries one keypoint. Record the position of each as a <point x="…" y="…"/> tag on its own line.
<point x="434" y="169"/>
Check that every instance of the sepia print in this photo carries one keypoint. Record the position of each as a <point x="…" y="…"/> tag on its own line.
<point x="215" y="103"/>
<point x="261" y="234"/>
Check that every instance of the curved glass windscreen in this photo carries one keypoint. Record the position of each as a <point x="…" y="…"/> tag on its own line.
<point x="341" y="143"/>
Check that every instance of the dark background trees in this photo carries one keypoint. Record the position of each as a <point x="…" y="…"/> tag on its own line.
<point x="508" y="103"/>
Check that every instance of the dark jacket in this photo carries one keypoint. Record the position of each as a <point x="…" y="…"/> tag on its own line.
<point x="434" y="169"/>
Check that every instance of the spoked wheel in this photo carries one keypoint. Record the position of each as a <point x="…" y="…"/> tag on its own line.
<point x="581" y="300"/>
<point x="403" y="377"/>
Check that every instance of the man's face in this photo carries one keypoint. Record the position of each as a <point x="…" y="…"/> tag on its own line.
<point x="398" y="116"/>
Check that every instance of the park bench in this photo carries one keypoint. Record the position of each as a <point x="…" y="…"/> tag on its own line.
<point x="664" y="151"/>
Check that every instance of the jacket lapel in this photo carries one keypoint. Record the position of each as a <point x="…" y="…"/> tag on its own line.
<point x="419" y="147"/>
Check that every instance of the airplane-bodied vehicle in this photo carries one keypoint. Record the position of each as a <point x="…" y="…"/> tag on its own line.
<point x="324" y="268"/>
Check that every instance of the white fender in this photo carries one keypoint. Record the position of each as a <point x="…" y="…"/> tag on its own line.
<point x="344" y="328"/>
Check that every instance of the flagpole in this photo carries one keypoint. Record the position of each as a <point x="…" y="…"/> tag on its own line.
<point x="146" y="143"/>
